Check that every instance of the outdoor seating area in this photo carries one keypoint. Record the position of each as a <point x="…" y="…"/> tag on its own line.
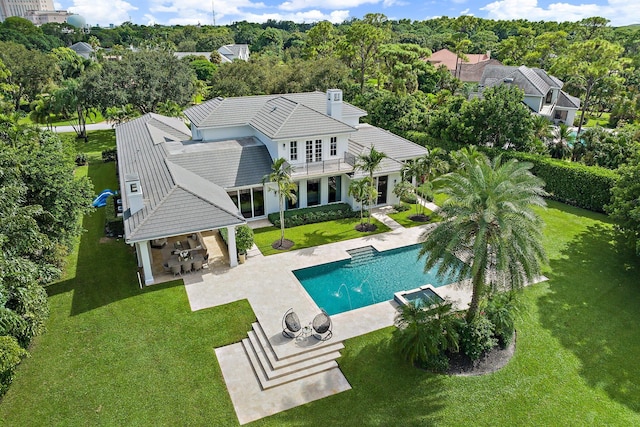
<point x="319" y="328"/>
<point x="186" y="254"/>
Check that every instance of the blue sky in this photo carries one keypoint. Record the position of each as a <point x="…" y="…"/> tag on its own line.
<point x="183" y="12"/>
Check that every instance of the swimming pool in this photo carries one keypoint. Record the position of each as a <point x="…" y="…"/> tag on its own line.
<point x="369" y="277"/>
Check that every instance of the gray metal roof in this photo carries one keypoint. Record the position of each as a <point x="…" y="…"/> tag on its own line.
<point x="143" y="149"/>
<point x="395" y="147"/>
<point x="222" y="112"/>
<point x="282" y="118"/>
<point x="230" y="164"/>
<point x="568" y="101"/>
<point x="533" y="81"/>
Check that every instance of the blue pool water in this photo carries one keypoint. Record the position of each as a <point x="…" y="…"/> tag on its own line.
<point x="368" y="278"/>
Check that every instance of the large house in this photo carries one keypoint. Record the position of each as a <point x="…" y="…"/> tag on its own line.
<point x="467" y="70"/>
<point x="178" y="181"/>
<point x="542" y="92"/>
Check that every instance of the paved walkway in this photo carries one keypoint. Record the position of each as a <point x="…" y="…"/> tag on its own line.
<point x="90" y="126"/>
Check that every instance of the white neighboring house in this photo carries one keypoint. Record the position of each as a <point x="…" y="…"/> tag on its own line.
<point x="542" y="92"/>
<point x="231" y="52"/>
<point x="177" y="180"/>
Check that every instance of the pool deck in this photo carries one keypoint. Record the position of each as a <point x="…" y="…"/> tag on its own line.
<point x="271" y="289"/>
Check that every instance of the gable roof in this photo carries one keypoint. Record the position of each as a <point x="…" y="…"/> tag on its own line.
<point x="395" y="147"/>
<point x="567" y="101"/>
<point x="176" y="200"/>
<point x="533" y="81"/>
<point x="221" y="112"/>
<point x="473" y="72"/>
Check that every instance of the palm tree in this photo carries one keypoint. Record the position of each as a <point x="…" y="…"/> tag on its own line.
<point x="369" y="163"/>
<point x="285" y="188"/>
<point x="488" y="218"/>
<point x="542" y="130"/>
<point x="563" y="139"/>
<point x="425" y="168"/>
<point x="465" y="157"/>
<point x="362" y="190"/>
<point x="426" y="331"/>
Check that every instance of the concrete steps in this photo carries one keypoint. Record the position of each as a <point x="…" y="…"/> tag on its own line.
<point x="272" y="371"/>
<point x="360" y="256"/>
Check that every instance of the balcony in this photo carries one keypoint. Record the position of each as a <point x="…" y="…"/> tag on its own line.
<point x="344" y="165"/>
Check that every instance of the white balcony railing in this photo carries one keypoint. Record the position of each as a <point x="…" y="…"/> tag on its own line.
<point x="344" y="165"/>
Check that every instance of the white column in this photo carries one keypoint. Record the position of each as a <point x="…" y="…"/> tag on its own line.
<point x="233" y="252"/>
<point x="324" y="190"/>
<point x="144" y="254"/>
<point x="302" y="193"/>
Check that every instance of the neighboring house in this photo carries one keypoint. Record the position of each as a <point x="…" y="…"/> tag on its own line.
<point x="83" y="49"/>
<point x="231" y="52"/>
<point x="228" y="53"/>
<point x="177" y="180"/>
<point x="467" y="71"/>
<point x="542" y="91"/>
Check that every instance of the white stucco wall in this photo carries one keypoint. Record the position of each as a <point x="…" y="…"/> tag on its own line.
<point x="535" y="102"/>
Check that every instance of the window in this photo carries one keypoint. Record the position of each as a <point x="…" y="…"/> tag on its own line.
<point x="309" y="151"/>
<point x="334" y="146"/>
<point x="335" y="184"/>
<point x="249" y="201"/>
<point x="318" y="150"/>
<point x="313" y="192"/>
<point x="293" y="150"/>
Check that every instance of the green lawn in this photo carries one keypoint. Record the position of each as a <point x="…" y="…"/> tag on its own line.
<point x="306" y="236"/>
<point x="593" y="121"/>
<point x="118" y="355"/>
<point x="95" y="117"/>
<point x="402" y="218"/>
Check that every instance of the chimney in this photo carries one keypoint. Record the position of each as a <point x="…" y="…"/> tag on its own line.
<point x="334" y="103"/>
<point x="133" y="192"/>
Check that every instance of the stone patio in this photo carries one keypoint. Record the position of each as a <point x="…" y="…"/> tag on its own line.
<point x="266" y="373"/>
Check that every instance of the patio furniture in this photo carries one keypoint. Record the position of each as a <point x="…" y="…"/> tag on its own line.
<point x="291" y="324"/>
<point x="197" y="265"/>
<point x="166" y="267"/>
<point x="187" y="266"/>
<point x="322" y="326"/>
<point x="175" y="269"/>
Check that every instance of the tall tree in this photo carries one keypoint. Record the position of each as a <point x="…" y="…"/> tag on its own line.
<point x="285" y="188"/>
<point x="31" y="71"/>
<point x="369" y="163"/>
<point x="587" y="64"/>
<point x="360" y="47"/>
<point x="489" y="221"/>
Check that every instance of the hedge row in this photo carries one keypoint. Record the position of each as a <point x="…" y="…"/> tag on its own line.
<point x="588" y="187"/>
<point x="114" y="225"/>
<point x="295" y="217"/>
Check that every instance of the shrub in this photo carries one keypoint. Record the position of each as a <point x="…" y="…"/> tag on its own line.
<point x="588" y="187"/>
<point x="401" y="207"/>
<point x="412" y="199"/>
<point x="476" y="337"/>
<point x="296" y="217"/>
<point x="501" y="310"/>
<point x="81" y="159"/>
<point x="10" y="356"/>
<point x="244" y="238"/>
<point x="225" y="236"/>
<point x="114" y="225"/>
<point x="110" y="155"/>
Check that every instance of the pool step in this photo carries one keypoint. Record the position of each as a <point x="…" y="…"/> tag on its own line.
<point x="360" y="256"/>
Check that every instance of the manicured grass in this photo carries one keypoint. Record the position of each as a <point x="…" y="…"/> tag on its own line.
<point x="95" y="117"/>
<point x="593" y="121"/>
<point x="118" y="355"/>
<point x="402" y="218"/>
<point x="97" y="141"/>
<point x="306" y="236"/>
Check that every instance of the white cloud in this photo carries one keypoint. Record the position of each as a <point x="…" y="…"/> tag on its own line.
<point x="336" y="16"/>
<point x="323" y="4"/>
<point x="57" y="5"/>
<point x="619" y="12"/>
<point x="103" y="13"/>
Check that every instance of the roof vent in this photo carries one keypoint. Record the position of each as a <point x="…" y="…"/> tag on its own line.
<point x="508" y="80"/>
